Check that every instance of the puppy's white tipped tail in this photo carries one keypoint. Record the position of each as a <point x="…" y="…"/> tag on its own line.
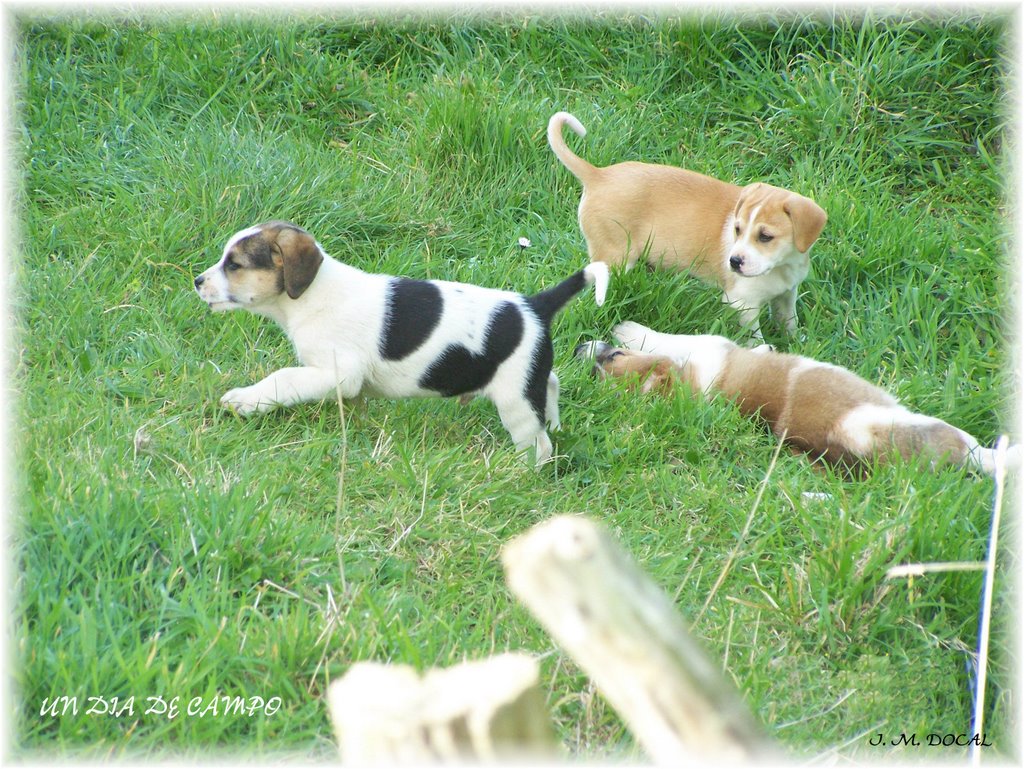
<point x="564" y="118"/>
<point x="985" y="459"/>
<point x="579" y="167"/>
<point x="597" y="273"/>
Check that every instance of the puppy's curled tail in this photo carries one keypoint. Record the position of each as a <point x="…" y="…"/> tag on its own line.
<point x="580" y="168"/>
<point x="550" y="301"/>
<point x="985" y="459"/>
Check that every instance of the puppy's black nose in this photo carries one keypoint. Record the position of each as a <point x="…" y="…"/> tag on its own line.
<point x="736" y="262"/>
<point x="199" y="280"/>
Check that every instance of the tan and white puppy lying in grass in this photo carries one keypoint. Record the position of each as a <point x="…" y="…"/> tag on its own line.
<point x="751" y="241"/>
<point x="818" y="408"/>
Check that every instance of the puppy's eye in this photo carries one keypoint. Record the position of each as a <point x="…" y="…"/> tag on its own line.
<point x="231" y="265"/>
<point x="765" y="237"/>
<point x="737" y="230"/>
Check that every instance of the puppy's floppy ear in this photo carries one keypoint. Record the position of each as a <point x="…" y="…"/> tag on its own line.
<point x="666" y="376"/>
<point x="808" y="220"/>
<point x="297" y="253"/>
<point x="663" y="376"/>
<point x="656" y="380"/>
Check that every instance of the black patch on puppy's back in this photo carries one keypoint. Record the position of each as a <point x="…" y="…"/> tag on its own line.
<point x="458" y="370"/>
<point x="537" y="381"/>
<point x="414" y="309"/>
<point x="546" y="304"/>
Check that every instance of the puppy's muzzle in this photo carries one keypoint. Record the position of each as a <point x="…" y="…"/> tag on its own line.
<point x="736" y="263"/>
<point x="599" y="352"/>
<point x="591" y="349"/>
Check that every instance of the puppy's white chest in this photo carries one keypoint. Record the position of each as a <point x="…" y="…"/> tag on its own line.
<point x="335" y="332"/>
<point x="758" y="290"/>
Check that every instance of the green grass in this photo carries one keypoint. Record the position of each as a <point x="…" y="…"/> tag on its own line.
<point x="165" y="548"/>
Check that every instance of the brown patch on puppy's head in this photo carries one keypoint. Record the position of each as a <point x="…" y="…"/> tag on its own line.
<point x="259" y="264"/>
<point x="769" y="226"/>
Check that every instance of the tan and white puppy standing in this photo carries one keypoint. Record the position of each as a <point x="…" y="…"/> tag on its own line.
<point x="386" y="336"/>
<point x="753" y="241"/>
<point x="818" y="408"/>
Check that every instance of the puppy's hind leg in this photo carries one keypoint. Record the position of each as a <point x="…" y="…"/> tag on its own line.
<point x="551" y="404"/>
<point x="519" y="418"/>
<point x="544" y="448"/>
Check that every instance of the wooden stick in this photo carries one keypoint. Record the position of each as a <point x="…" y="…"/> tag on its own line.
<point x="474" y="712"/>
<point x="629" y="638"/>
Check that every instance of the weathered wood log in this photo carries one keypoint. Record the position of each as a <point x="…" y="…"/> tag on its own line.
<point x="627" y="635"/>
<point x="474" y="712"/>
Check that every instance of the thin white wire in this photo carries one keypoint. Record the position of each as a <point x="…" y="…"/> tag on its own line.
<point x="978" y="721"/>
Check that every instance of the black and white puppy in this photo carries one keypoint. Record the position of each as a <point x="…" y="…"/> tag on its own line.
<point x="384" y="336"/>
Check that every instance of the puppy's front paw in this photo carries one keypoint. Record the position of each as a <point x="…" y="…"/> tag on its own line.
<point x="631" y="335"/>
<point x="245" y="401"/>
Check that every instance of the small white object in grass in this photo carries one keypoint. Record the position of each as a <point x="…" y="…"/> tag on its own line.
<point x="143" y="441"/>
<point x="815" y="496"/>
<point x="524" y="242"/>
